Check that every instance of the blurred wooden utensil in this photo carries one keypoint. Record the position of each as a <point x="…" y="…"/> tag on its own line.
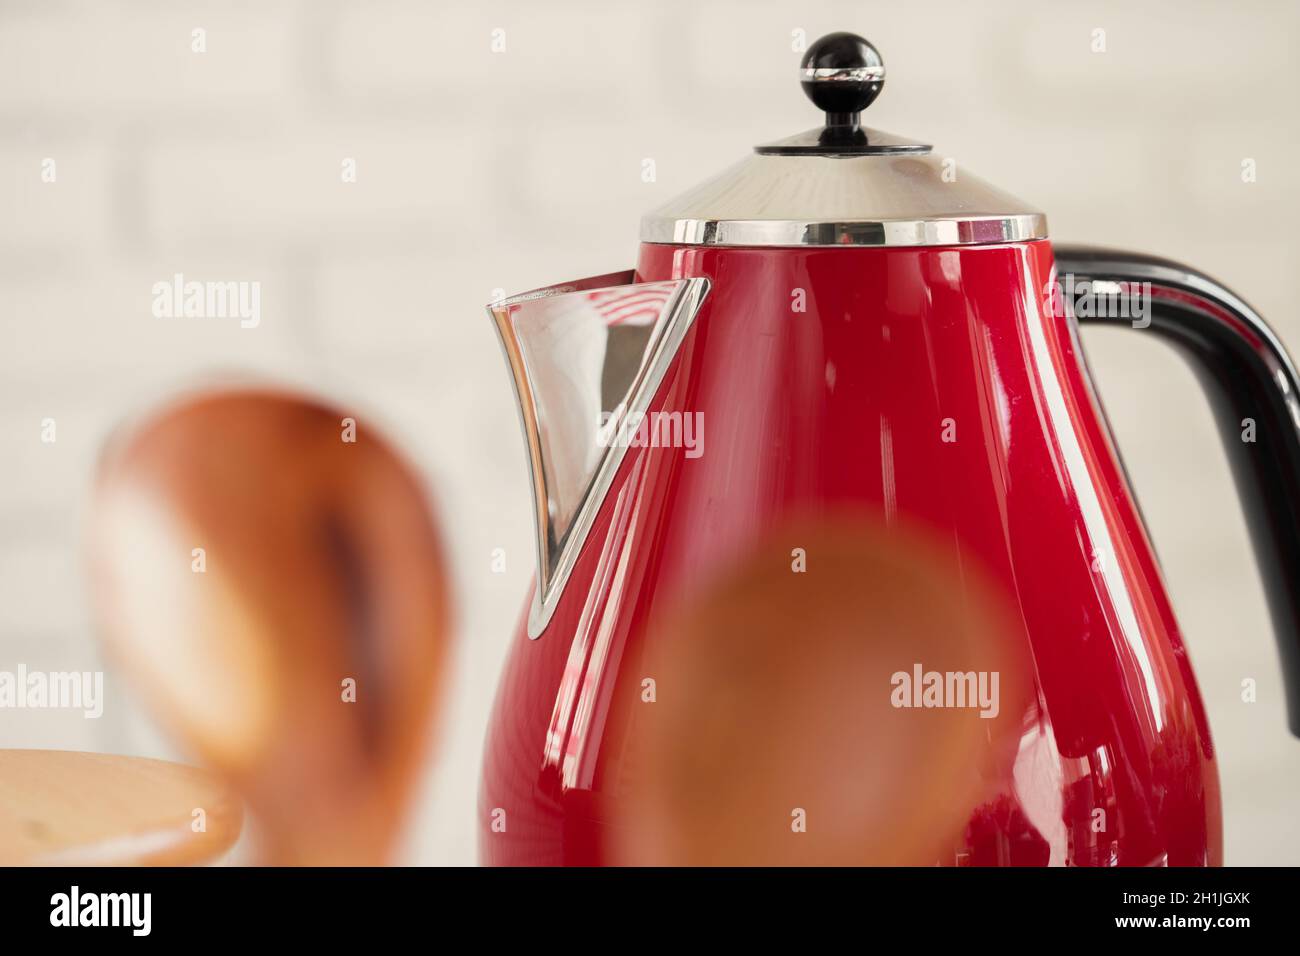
<point x="62" y="808"/>
<point x="774" y="737"/>
<point x="271" y="573"/>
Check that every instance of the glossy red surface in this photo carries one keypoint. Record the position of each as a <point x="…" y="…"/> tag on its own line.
<point x="846" y="403"/>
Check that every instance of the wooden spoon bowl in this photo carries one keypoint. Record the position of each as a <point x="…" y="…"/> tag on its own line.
<point x="270" y="573"/>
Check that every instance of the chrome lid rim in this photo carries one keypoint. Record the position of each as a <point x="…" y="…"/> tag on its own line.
<point x="896" y="233"/>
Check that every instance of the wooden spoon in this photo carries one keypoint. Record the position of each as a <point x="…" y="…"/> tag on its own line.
<point x="774" y="738"/>
<point x="279" y="592"/>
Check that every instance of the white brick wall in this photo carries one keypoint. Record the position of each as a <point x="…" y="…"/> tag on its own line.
<point x="135" y="58"/>
<point x="479" y="170"/>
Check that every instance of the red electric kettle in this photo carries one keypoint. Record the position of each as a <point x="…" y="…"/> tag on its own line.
<point x="857" y="323"/>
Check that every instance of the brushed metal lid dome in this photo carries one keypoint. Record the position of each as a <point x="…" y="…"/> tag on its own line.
<point x="843" y="184"/>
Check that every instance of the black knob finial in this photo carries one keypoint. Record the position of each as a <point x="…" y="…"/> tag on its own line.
<point x="842" y="74"/>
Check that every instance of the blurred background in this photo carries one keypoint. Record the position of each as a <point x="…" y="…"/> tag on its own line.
<point x="479" y="171"/>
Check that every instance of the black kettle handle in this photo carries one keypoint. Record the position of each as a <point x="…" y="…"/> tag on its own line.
<point x="1247" y="374"/>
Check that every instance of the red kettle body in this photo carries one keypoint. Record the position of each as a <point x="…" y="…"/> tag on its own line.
<point x="925" y="367"/>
